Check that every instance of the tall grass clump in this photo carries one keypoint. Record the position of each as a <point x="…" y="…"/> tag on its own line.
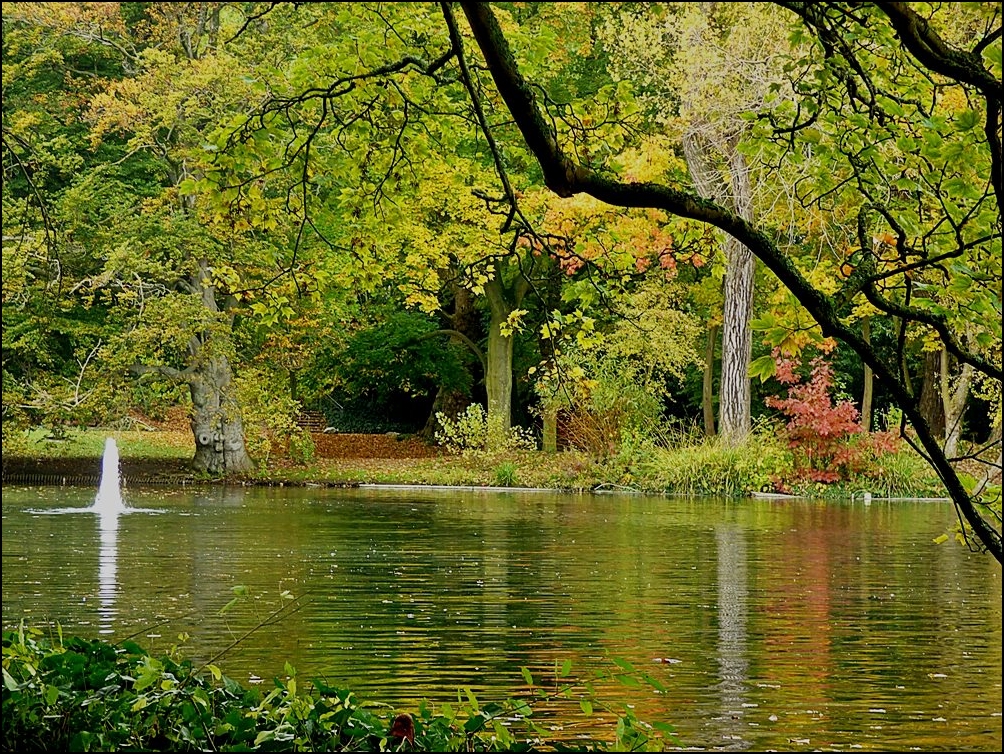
<point x="712" y="467"/>
<point x="900" y="473"/>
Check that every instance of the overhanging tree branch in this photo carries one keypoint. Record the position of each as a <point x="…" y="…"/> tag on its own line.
<point x="566" y="177"/>
<point x="465" y="75"/>
<point x="930" y="52"/>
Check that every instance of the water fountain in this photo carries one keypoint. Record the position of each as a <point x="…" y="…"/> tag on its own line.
<point x="109" y="498"/>
<point x="109" y="506"/>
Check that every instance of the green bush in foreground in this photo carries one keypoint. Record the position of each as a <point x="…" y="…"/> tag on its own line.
<point x="88" y="695"/>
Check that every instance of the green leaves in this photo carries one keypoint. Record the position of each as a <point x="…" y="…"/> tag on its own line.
<point x="163" y="704"/>
<point x="763" y="367"/>
<point x="967" y="120"/>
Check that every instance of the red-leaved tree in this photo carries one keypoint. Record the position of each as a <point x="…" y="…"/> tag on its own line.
<point x="826" y="437"/>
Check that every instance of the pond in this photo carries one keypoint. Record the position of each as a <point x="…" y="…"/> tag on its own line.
<point x="772" y="624"/>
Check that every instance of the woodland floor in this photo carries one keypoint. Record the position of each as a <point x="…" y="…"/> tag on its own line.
<point x="330" y="447"/>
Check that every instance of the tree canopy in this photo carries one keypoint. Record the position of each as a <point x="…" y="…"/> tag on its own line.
<point x="195" y="194"/>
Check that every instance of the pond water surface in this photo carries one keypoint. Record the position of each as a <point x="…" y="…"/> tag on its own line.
<point x="794" y="624"/>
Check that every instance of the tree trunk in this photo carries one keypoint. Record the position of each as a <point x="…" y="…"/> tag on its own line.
<point x="216" y="422"/>
<point x="549" y="440"/>
<point x="216" y="416"/>
<point x="451" y="402"/>
<point x="954" y="402"/>
<point x="708" y="386"/>
<point x="498" y="381"/>
<point x="931" y="404"/>
<point x="737" y="346"/>
<point x="737" y="337"/>
<point x="869" y="380"/>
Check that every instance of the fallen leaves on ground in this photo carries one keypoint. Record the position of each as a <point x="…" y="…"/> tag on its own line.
<point x="371" y="446"/>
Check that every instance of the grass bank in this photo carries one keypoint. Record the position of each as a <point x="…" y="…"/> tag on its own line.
<point x="701" y="467"/>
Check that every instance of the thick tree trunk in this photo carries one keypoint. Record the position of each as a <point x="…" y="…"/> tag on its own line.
<point x="216" y="422"/>
<point x="931" y="404"/>
<point x="868" y="392"/>
<point x="737" y="346"/>
<point x="737" y="337"/>
<point x="737" y="307"/>
<point x="954" y="402"/>
<point x="708" y="385"/>
<point x="216" y="416"/>
<point x="498" y="381"/>
<point x="450" y="403"/>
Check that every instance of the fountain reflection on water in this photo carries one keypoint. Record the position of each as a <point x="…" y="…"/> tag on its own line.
<point x="108" y="505"/>
<point x="108" y="523"/>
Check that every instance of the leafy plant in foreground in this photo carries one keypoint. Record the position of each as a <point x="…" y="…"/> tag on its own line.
<point x="87" y="695"/>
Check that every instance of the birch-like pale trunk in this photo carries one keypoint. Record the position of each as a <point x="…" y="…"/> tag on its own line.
<point x="954" y="402"/>
<point x="498" y="380"/>
<point x="737" y="304"/>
